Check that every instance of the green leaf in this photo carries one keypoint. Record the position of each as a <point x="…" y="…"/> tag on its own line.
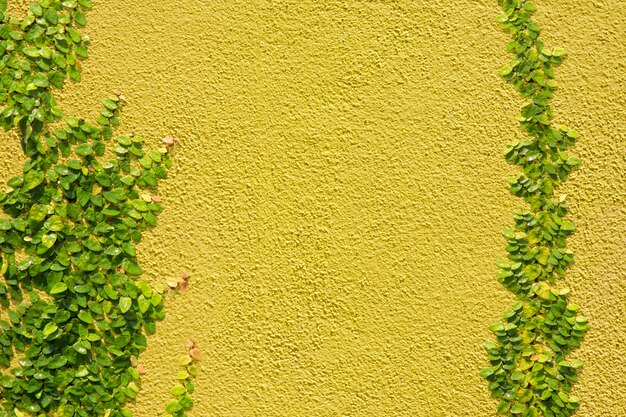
<point x="144" y="304"/>
<point x="132" y="268"/>
<point x="529" y="7"/>
<point x="542" y="289"/>
<point x="110" y="104"/>
<point x="72" y="121"/>
<point x="542" y="255"/>
<point x="81" y="51"/>
<point x="38" y="212"/>
<point x="41" y="81"/>
<point x="93" y="244"/>
<point x="51" y="16"/>
<point x="80" y="18"/>
<point x="85" y="315"/>
<point x="78" y="347"/>
<point x="497" y="327"/>
<point x="573" y="161"/>
<point x="124" y="304"/>
<point x="517" y="375"/>
<point x="173" y="406"/>
<point x="49" y="329"/>
<point x="487" y="372"/>
<point x="48" y="240"/>
<point x="36" y="9"/>
<point x="115" y="195"/>
<point x="54" y="223"/>
<point x="75" y="164"/>
<point x="506" y="70"/>
<point x="5" y="224"/>
<point x="83" y="288"/>
<point x="15" y="182"/>
<point x="31" y="51"/>
<point x="57" y="362"/>
<point x="32" y="179"/>
<point x="503" y="407"/>
<point x="14" y="316"/>
<point x="62" y="316"/>
<point x="178" y="390"/>
<point x="84" y="149"/>
<point x="24" y="264"/>
<point x="140" y="205"/>
<point x="58" y="288"/>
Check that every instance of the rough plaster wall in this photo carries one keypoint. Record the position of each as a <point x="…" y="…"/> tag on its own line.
<point x="339" y="190"/>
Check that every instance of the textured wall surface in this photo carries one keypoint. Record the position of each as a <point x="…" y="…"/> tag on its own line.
<point x="339" y="190"/>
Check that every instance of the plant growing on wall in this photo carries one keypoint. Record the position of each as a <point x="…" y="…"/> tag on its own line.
<point x="76" y="314"/>
<point x="184" y="388"/>
<point x="530" y="372"/>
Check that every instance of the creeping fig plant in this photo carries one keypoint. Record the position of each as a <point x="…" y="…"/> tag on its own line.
<point x="76" y="313"/>
<point x="530" y="372"/>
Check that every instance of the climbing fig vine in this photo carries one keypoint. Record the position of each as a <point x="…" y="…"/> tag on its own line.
<point x="184" y="388"/>
<point x="75" y="312"/>
<point x="530" y="371"/>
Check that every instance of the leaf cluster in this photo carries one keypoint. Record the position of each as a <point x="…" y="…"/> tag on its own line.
<point x="529" y="371"/>
<point x="38" y="52"/>
<point x="76" y="312"/>
<point x="183" y="389"/>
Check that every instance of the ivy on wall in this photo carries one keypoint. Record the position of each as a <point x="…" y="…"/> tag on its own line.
<point x="530" y="372"/>
<point x="184" y="388"/>
<point x="75" y="313"/>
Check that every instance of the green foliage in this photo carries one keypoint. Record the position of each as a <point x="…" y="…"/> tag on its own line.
<point x="182" y="391"/>
<point x="77" y="314"/>
<point x="530" y="373"/>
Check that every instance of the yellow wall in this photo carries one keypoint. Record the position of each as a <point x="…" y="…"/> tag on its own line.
<point x="339" y="190"/>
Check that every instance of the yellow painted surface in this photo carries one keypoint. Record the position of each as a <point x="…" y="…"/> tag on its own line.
<point x="339" y="189"/>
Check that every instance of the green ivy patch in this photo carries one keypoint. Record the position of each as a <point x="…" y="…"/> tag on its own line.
<point x="76" y="313"/>
<point x="529" y="370"/>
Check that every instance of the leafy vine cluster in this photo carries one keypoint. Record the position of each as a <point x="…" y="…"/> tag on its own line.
<point x="530" y="372"/>
<point x="75" y="313"/>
